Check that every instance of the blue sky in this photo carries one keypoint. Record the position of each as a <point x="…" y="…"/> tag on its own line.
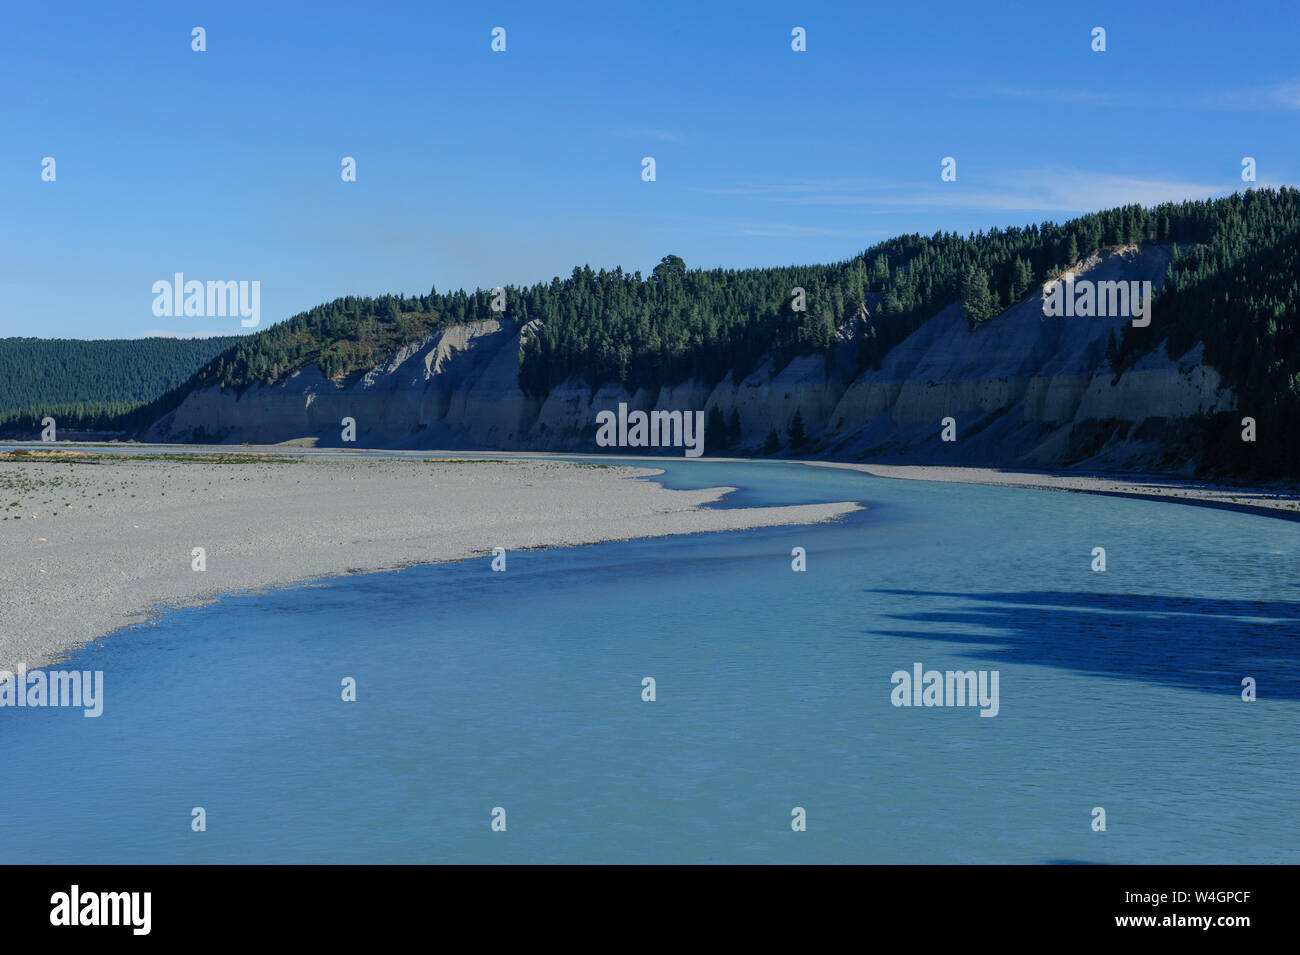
<point x="477" y="168"/>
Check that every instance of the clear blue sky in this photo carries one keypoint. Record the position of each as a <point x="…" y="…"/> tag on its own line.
<point x="477" y="168"/>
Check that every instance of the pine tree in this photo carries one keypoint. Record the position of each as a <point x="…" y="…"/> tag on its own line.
<point x="797" y="437"/>
<point x="1026" y="274"/>
<point x="773" y="443"/>
<point x="976" y="300"/>
<point x="716" y="429"/>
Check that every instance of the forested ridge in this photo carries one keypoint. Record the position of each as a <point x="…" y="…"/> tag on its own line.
<point x="678" y="323"/>
<point x="1234" y="285"/>
<point x="93" y="383"/>
<point x="1239" y="292"/>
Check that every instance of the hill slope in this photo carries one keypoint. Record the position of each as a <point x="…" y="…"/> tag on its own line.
<point x="857" y="358"/>
<point x="93" y="380"/>
<point x="1023" y="391"/>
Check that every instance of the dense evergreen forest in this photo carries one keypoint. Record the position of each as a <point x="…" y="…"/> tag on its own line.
<point x="92" y="384"/>
<point x="1239" y="292"/>
<point x="679" y="323"/>
<point x="1234" y="285"/>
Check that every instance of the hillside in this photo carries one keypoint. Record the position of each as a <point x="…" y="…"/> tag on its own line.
<point x="678" y="324"/>
<point x="912" y="330"/>
<point x="1023" y="391"/>
<point x="91" y="383"/>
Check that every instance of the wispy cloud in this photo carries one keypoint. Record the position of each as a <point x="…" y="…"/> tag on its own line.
<point x="785" y="230"/>
<point x="768" y="229"/>
<point x="663" y="135"/>
<point x="1282" y="96"/>
<point x="1279" y="96"/>
<point x="792" y="187"/>
<point x="1048" y="190"/>
<point x="1067" y="97"/>
<point x="1073" y="190"/>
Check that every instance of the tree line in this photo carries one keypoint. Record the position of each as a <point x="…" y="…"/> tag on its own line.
<point x="93" y="384"/>
<point x="1232" y="285"/>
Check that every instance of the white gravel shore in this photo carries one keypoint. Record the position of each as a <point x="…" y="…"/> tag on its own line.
<point x="87" y="548"/>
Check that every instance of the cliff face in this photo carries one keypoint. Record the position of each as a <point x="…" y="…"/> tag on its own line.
<point x="1024" y="390"/>
<point x="1030" y="390"/>
<point x="456" y="389"/>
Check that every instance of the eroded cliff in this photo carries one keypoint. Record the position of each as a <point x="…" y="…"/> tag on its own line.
<point x="1024" y="390"/>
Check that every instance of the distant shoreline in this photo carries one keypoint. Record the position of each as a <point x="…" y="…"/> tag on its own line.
<point x="1283" y="504"/>
<point x="1279" y="501"/>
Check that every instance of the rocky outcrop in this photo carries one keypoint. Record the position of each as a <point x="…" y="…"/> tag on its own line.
<point x="1020" y="387"/>
<point x="1023" y="390"/>
<point x="456" y="389"/>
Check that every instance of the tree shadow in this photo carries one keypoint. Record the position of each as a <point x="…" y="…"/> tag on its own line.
<point x="1198" y="643"/>
<point x="1070" y="862"/>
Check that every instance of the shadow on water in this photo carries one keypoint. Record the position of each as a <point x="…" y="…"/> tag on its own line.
<point x="1070" y="862"/>
<point x="1198" y="643"/>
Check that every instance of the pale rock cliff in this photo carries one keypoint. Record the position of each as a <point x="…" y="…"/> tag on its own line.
<point x="1024" y="390"/>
